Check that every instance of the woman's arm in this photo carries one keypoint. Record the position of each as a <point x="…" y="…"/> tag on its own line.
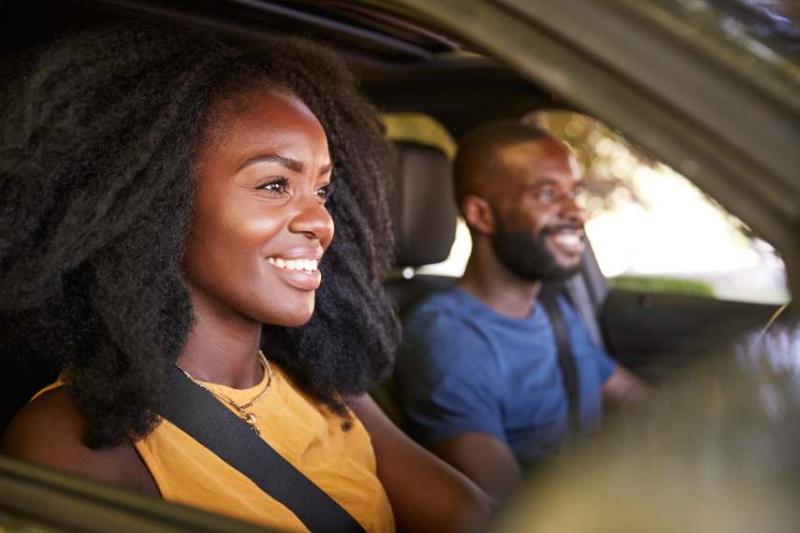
<point x="49" y="431"/>
<point x="426" y="493"/>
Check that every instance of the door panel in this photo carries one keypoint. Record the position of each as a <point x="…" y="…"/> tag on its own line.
<point x="655" y="334"/>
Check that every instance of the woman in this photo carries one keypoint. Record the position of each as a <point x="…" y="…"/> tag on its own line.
<point x="167" y="202"/>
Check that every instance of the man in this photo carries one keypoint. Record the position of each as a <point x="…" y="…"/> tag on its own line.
<point x="478" y="372"/>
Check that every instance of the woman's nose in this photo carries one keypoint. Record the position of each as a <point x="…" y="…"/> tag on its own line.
<point x="314" y="220"/>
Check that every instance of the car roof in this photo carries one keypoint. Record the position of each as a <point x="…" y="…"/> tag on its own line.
<point x="401" y="65"/>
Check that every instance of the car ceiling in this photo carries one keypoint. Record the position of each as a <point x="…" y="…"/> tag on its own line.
<point x="401" y="66"/>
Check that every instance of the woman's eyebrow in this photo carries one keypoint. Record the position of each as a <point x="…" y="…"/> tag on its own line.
<point x="288" y="162"/>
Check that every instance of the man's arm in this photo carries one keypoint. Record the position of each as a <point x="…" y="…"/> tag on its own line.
<point x="484" y="459"/>
<point x="623" y="388"/>
<point x="450" y="387"/>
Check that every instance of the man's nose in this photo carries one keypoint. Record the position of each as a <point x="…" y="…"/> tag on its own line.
<point x="313" y="219"/>
<point x="572" y="210"/>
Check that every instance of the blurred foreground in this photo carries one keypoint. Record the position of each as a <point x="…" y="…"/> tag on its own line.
<point x="717" y="451"/>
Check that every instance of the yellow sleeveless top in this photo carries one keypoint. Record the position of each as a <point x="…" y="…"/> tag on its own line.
<point x="305" y="433"/>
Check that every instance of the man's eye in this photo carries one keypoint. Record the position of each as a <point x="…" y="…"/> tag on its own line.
<point x="276" y="186"/>
<point x="578" y="191"/>
<point x="325" y="191"/>
<point x="545" y="195"/>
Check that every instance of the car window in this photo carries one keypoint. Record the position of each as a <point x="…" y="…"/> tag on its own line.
<point x="650" y="228"/>
<point x="654" y="231"/>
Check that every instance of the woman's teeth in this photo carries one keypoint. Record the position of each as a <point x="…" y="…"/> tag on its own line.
<point x="307" y="265"/>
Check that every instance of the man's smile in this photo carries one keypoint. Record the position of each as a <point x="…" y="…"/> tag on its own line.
<point x="569" y="239"/>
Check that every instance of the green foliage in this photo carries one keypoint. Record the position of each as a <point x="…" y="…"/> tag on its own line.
<point x="662" y="284"/>
<point x="607" y="161"/>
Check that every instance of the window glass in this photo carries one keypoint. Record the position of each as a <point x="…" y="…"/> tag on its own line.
<point x="653" y="230"/>
<point x="650" y="228"/>
<point x="456" y="262"/>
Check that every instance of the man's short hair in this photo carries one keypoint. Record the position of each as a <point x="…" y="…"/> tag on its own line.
<point x="476" y="152"/>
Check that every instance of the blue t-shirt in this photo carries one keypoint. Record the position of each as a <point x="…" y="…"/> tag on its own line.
<point x="464" y="368"/>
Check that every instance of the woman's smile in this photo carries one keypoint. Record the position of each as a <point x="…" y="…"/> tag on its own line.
<point x="300" y="273"/>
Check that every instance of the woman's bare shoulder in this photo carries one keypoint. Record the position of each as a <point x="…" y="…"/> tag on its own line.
<point x="49" y="430"/>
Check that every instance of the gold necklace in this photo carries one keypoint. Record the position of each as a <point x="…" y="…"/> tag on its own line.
<point x="241" y="409"/>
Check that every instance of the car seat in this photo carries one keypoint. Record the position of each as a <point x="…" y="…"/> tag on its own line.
<point x="425" y="215"/>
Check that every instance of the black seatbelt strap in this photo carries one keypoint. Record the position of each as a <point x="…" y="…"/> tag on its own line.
<point x="566" y="359"/>
<point x="195" y="411"/>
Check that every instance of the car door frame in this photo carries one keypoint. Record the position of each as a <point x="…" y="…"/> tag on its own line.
<point x="628" y="64"/>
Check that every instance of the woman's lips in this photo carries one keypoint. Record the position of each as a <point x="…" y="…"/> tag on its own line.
<point x="302" y="274"/>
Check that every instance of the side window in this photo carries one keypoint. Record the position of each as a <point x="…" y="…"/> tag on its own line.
<point x="650" y="228"/>
<point x="456" y="262"/>
<point x="654" y="231"/>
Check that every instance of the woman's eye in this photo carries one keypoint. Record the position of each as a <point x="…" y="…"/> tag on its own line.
<point x="325" y="191"/>
<point x="276" y="186"/>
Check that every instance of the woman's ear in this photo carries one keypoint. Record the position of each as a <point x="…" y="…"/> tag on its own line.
<point x="478" y="214"/>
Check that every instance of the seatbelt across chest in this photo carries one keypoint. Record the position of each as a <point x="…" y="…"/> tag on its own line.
<point x="566" y="359"/>
<point x="195" y="411"/>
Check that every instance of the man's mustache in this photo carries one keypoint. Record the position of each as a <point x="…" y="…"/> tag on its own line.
<point x="549" y="230"/>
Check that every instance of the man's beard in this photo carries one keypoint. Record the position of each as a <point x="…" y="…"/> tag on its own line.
<point x="527" y="256"/>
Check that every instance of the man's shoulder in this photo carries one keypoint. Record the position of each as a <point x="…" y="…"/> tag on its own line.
<point x="449" y="304"/>
<point x="443" y="327"/>
<point x="447" y="309"/>
<point x="445" y="303"/>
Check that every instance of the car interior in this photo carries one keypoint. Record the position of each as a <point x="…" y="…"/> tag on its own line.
<point x="404" y="67"/>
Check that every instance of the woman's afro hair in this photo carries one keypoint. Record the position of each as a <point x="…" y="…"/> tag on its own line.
<point x="98" y="142"/>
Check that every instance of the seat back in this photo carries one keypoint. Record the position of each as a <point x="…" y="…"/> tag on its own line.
<point x="425" y="217"/>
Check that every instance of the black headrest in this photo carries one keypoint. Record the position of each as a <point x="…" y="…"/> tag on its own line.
<point x="424" y="210"/>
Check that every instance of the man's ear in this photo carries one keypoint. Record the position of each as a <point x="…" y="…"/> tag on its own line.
<point x="478" y="214"/>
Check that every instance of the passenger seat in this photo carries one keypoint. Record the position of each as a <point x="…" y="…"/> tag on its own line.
<point x="425" y="216"/>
